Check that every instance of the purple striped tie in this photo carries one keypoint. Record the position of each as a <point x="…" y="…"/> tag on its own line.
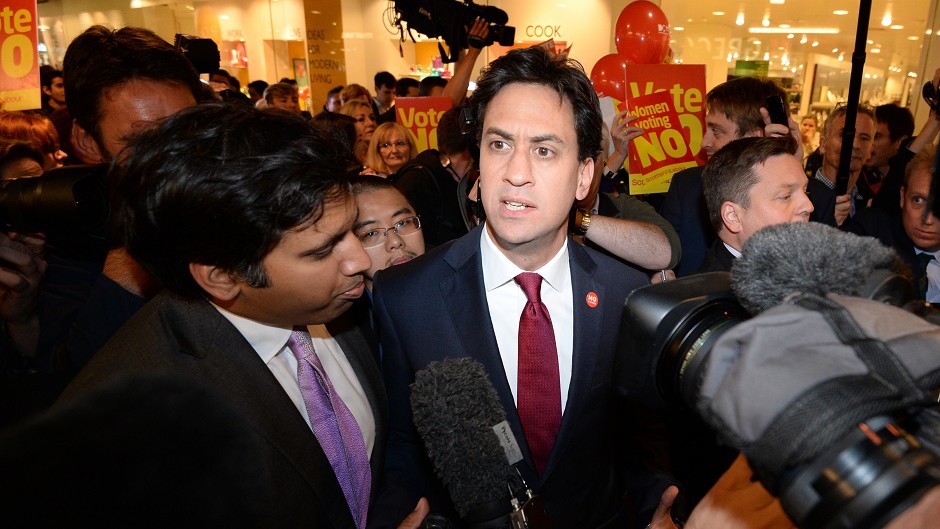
<point x="334" y="426"/>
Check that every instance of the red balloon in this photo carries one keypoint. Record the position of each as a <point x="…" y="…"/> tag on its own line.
<point x="642" y="33"/>
<point x="609" y="76"/>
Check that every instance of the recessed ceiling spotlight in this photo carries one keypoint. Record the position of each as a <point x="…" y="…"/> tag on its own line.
<point x="897" y="26"/>
<point x="840" y="12"/>
<point x="718" y="13"/>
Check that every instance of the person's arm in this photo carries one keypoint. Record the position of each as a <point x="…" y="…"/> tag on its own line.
<point x="640" y="243"/>
<point x="456" y="88"/>
<point x="929" y="132"/>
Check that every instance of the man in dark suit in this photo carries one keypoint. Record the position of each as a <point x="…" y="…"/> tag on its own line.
<point x="914" y="233"/>
<point x="733" y="112"/>
<point x="538" y="124"/>
<point x="253" y="246"/>
<point x="749" y="184"/>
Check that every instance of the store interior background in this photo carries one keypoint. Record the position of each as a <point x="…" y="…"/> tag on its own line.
<point x="324" y="43"/>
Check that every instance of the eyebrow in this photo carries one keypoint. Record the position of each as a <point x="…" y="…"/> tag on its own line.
<point x="366" y="222"/>
<point x="535" y="139"/>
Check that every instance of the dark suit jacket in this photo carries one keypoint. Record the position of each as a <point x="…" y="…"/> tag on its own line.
<point x="192" y="339"/>
<point x="435" y="307"/>
<point x="684" y="208"/>
<point x="887" y="228"/>
<point x="717" y="259"/>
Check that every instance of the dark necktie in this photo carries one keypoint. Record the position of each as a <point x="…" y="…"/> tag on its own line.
<point x="539" y="389"/>
<point x="923" y="260"/>
<point x="334" y="427"/>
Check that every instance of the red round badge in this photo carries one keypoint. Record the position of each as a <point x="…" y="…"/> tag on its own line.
<point x="591" y="299"/>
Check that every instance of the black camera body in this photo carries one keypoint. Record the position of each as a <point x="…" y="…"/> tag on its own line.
<point x="449" y="19"/>
<point x="865" y="451"/>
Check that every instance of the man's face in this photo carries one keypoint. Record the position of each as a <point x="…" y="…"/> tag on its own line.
<point x="924" y="233"/>
<point x="314" y="273"/>
<point x="882" y="148"/>
<point x="831" y="145"/>
<point x="287" y="102"/>
<point x="56" y="90"/>
<point x="128" y="109"/>
<point x="334" y="103"/>
<point x="385" y="95"/>
<point x="719" y="131"/>
<point x="779" y="196"/>
<point x="530" y="173"/>
<point x="382" y="208"/>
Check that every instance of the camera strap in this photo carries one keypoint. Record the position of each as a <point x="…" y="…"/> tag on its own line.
<point x="816" y="419"/>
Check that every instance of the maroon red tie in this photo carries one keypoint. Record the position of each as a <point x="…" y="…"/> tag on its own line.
<point x="539" y="399"/>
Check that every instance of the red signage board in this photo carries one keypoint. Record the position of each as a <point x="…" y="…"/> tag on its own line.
<point x="19" y="56"/>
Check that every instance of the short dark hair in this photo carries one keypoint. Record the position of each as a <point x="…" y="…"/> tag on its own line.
<point x="220" y="185"/>
<point x="729" y="174"/>
<point x="741" y="99"/>
<point x="537" y="66"/>
<point x="100" y="59"/>
<point x="370" y="182"/>
<point x="404" y="84"/>
<point x="47" y="74"/>
<point x="450" y="139"/>
<point x="342" y="128"/>
<point x="429" y="82"/>
<point x="385" y="79"/>
<point x="334" y="91"/>
<point x="258" y="86"/>
<point x="899" y="120"/>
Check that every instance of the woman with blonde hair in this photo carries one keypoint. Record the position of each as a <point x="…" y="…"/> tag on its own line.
<point x="365" y="126"/>
<point x="392" y="146"/>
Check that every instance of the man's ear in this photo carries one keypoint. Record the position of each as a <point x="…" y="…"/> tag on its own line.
<point x="729" y="217"/>
<point x="86" y="147"/>
<point x="585" y="177"/>
<point x="221" y="285"/>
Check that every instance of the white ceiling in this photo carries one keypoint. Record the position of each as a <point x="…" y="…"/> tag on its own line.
<point x="900" y="48"/>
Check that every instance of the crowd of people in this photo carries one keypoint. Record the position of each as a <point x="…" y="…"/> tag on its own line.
<point x="288" y="273"/>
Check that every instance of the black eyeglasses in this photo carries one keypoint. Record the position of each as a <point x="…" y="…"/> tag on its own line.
<point x="377" y="236"/>
<point x="398" y="144"/>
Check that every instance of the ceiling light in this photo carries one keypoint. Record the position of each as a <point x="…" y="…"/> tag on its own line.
<point x="778" y="2"/>
<point x="679" y="28"/>
<point x="784" y="26"/>
<point x="835" y="50"/>
<point x="815" y="43"/>
<point x="790" y="35"/>
<point x="886" y="20"/>
<point x="740" y="20"/>
<point x="811" y="31"/>
<point x="876" y="50"/>
<point x="803" y="40"/>
<point x="897" y="26"/>
<point x="840" y="12"/>
<point x="913" y="37"/>
<point x="755" y="41"/>
<point x="718" y="13"/>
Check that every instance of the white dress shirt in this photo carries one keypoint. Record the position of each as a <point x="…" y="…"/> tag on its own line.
<point x="506" y="301"/>
<point x="271" y="345"/>
<point x="933" y="277"/>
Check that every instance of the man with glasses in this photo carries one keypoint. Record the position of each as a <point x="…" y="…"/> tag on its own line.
<point x="387" y="225"/>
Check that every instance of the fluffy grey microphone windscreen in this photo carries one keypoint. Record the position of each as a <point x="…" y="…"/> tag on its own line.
<point x="805" y="257"/>
<point x="455" y="407"/>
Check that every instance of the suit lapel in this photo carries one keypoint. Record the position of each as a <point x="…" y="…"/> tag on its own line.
<point x="587" y="326"/>
<point x="236" y="369"/>
<point x="351" y="335"/>
<point x="464" y="296"/>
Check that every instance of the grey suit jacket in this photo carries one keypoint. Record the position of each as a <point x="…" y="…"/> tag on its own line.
<point x="192" y="339"/>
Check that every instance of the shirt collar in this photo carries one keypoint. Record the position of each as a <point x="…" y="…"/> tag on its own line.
<point x="499" y="270"/>
<point x="266" y="340"/>
<point x="732" y="251"/>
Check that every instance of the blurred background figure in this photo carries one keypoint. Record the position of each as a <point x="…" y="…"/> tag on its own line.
<point x="356" y="92"/>
<point x="256" y="91"/>
<point x="334" y="99"/>
<point x="37" y="132"/>
<point x="391" y="147"/>
<point x="809" y="134"/>
<point x="361" y="111"/>
<point x="52" y="83"/>
<point x="282" y="95"/>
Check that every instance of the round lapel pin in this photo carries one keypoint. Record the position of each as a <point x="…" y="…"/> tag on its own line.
<point x="591" y="299"/>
